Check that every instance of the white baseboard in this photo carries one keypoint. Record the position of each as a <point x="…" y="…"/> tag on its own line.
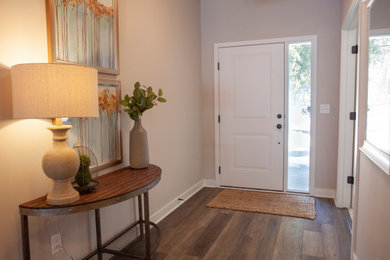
<point x="324" y="193"/>
<point x="338" y="202"/>
<point x="209" y="183"/>
<point x="176" y="202"/>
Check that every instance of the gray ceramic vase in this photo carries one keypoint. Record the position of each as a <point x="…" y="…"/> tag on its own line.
<point x="139" y="152"/>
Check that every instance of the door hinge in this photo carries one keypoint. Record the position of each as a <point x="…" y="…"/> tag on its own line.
<point x="352" y="116"/>
<point x="219" y="118"/>
<point x="219" y="169"/>
<point x="351" y="180"/>
<point x="355" y="49"/>
<point x="218" y="65"/>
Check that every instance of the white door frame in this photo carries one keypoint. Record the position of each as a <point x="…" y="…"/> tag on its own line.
<point x="346" y="126"/>
<point x="313" y="128"/>
<point x="348" y="76"/>
<point x="363" y="35"/>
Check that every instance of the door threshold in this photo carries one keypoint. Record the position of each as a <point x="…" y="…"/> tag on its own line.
<point x="250" y="189"/>
<point x="298" y="191"/>
<point x="269" y="191"/>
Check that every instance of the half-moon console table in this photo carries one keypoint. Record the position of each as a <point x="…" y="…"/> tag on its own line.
<point x="113" y="188"/>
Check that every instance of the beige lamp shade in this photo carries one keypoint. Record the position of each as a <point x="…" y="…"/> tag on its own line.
<point x="43" y="90"/>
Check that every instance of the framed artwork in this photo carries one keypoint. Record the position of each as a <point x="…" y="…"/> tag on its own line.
<point x="84" y="32"/>
<point x="102" y="135"/>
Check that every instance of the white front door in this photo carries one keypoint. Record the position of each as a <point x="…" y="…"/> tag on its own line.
<point x="251" y="85"/>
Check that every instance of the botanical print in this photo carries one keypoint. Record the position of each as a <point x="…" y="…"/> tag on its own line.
<point x="108" y="116"/>
<point x="84" y="32"/>
<point x="101" y="135"/>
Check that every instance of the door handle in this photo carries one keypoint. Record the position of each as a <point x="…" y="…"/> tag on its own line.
<point x="279" y="126"/>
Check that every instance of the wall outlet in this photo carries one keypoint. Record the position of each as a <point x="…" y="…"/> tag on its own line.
<point x="56" y="243"/>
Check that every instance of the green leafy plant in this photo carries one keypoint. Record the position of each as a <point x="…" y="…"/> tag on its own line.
<point x="143" y="99"/>
<point x="83" y="176"/>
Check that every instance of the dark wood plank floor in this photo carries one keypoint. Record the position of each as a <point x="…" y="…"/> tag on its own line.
<point x="194" y="231"/>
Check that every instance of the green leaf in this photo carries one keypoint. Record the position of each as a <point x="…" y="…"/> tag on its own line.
<point x="143" y="92"/>
<point x="149" y="99"/>
<point x="143" y="98"/>
<point x="137" y="93"/>
<point x="134" y="117"/>
<point x="124" y="103"/>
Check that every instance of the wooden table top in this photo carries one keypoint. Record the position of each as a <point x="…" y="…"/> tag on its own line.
<point x="113" y="187"/>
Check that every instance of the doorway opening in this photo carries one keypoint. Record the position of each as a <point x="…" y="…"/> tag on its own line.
<point x="299" y="116"/>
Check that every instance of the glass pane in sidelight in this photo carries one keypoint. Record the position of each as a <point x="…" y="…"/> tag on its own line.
<point x="299" y="100"/>
<point x="378" y="100"/>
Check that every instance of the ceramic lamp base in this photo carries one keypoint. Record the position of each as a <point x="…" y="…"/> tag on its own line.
<point x="61" y="164"/>
<point x="62" y="193"/>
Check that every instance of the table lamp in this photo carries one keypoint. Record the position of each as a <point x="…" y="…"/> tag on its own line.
<point x="42" y="90"/>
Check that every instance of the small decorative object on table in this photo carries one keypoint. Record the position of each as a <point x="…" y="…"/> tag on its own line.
<point x="85" y="181"/>
<point x="143" y="99"/>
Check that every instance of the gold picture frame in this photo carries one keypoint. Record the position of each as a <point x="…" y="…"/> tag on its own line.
<point x="103" y="134"/>
<point x="84" y="32"/>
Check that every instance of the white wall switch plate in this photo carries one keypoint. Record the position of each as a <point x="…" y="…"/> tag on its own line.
<point x="56" y="243"/>
<point x="325" y="109"/>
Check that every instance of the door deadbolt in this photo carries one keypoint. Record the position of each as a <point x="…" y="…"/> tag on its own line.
<point x="279" y="116"/>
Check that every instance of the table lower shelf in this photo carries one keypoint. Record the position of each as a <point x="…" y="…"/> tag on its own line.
<point x="136" y="248"/>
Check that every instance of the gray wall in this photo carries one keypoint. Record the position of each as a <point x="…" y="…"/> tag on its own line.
<point x="373" y="223"/>
<point x="380" y="18"/>
<point x="160" y="46"/>
<point x="232" y="20"/>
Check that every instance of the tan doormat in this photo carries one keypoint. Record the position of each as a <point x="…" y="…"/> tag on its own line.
<point x="265" y="202"/>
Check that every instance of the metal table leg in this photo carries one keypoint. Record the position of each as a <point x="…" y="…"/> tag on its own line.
<point x="25" y="237"/>
<point x="98" y="234"/>
<point x="140" y="215"/>
<point x="147" y="226"/>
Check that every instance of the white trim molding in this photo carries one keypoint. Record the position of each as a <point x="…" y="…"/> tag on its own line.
<point x="176" y="202"/>
<point x="346" y="126"/>
<point x="209" y="183"/>
<point x="324" y="193"/>
<point x="381" y="159"/>
<point x="216" y="115"/>
<point x="361" y="98"/>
